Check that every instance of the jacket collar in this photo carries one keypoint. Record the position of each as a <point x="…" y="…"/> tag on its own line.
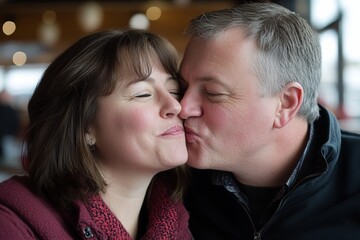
<point x="330" y="150"/>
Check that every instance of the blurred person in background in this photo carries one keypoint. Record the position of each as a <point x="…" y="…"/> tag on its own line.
<point x="9" y="121"/>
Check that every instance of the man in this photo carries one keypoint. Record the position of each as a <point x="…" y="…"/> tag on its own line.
<point x="269" y="162"/>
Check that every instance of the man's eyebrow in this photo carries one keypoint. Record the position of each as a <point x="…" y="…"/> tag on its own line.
<point x="205" y="79"/>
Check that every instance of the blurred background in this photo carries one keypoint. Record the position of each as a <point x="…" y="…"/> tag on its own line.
<point x="34" y="32"/>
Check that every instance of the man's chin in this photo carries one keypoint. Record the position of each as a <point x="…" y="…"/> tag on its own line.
<point x="195" y="163"/>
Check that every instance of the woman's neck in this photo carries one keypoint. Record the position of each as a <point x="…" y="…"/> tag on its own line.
<point x="125" y="199"/>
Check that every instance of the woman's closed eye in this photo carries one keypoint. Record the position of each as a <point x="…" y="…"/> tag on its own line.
<point x="143" y="95"/>
<point x="175" y="93"/>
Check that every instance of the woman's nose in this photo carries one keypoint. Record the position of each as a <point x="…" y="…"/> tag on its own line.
<point x="190" y="105"/>
<point x="171" y="106"/>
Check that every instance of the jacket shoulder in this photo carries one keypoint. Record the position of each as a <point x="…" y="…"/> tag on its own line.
<point x="23" y="209"/>
<point x="350" y="144"/>
<point x="12" y="226"/>
<point x="353" y="136"/>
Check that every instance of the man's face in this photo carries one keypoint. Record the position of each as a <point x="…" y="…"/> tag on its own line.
<point x="227" y="122"/>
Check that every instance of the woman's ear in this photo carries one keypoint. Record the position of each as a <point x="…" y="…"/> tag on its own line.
<point x="290" y="102"/>
<point x="90" y="139"/>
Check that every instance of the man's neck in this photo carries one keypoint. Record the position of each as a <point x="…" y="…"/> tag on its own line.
<point x="274" y="168"/>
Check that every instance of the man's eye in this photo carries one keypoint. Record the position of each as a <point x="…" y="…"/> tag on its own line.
<point x="213" y="94"/>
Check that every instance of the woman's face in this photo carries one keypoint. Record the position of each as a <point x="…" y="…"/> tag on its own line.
<point x="137" y="128"/>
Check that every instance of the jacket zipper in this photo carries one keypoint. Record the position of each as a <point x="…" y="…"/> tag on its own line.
<point x="258" y="234"/>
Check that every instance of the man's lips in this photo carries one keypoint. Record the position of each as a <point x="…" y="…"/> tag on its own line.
<point x="173" y="131"/>
<point x="188" y="130"/>
<point x="189" y="134"/>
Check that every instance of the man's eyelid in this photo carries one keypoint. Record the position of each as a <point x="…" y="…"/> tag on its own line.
<point x="214" y="93"/>
<point x="216" y="85"/>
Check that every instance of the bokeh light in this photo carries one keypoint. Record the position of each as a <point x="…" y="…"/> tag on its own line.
<point x="139" y="21"/>
<point x="19" y="58"/>
<point x="49" y="17"/>
<point x="9" y="27"/>
<point x="153" y="13"/>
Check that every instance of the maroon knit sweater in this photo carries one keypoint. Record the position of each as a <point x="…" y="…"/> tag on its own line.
<point x="23" y="215"/>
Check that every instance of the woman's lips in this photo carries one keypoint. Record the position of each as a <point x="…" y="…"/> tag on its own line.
<point x="174" y="131"/>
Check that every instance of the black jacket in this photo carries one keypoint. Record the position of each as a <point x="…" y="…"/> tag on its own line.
<point x="323" y="204"/>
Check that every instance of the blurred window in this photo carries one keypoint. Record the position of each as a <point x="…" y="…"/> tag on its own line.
<point x="324" y="12"/>
<point x="20" y="82"/>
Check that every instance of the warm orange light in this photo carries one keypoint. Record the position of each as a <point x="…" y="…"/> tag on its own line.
<point x="9" y="27"/>
<point x="49" y="17"/>
<point x="153" y="13"/>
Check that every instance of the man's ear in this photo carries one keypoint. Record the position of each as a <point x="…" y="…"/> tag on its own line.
<point x="290" y="102"/>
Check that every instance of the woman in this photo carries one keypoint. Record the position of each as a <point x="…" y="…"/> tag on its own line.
<point x="103" y="146"/>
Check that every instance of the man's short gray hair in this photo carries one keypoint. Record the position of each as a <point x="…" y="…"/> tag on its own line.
<point x="287" y="48"/>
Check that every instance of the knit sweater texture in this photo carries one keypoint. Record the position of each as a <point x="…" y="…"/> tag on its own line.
<point x="24" y="215"/>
